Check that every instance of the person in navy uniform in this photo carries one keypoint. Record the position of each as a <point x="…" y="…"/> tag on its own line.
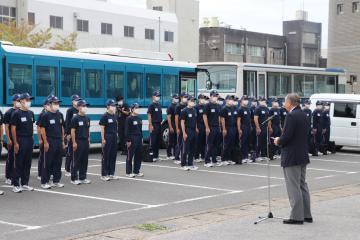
<point x="308" y="112"/>
<point x="70" y="113"/>
<point x="9" y="168"/>
<point x="228" y="119"/>
<point x="201" y="135"/>
<point x="220" y="141"/>
<point x="122" y="111"/>
<point x="172" y="127"/>
<point x="108" y="125"/>
<point x="80" y="137"/>
<point x="22" y="132"/>
<point x="283" y="114"/>
<point x="317" y="127"/>
<point x="52" y="133"/>
<point x="244" y="128"/>
<point x="212" y="129"/>
<point x="274" y="126"/>
<point x="261" y="115"/>
<point x="189" y="129"/>
<point x="155" y="118"/>
<point x="134" y="142"/>
<point x="326" y="127"/>
<point x="253" y="137"/>
<point x="179" y="146"/>
<point x="46" y="106"/>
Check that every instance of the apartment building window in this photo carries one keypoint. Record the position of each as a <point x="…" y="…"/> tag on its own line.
<point x="309" y="38"/>
<point x="256" y="51"/>
<point x="234" y="48"/>
<point x="7" y="14"/>
<point x="129" y="31"/>
<point x="355" y="7"/>
<point x="158" y="8"/>
<point x="340" y="8"/>
<point x="106" y="28"/>
<point x="31" y="18"/>
<point x="149" y="34"/>
<point x="82" y="25"/>
<point x="310" y="55"/>
<point x="169" y="36"/>
<point x="56" y="22"/>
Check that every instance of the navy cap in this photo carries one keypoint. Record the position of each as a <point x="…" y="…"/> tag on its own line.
<point x="75" y="98"/>
<point x="15" y="97"/>
<point x="175" y="96"/>
<point x="206" y="97"/>
<point x="221" y="99"/>
<point x="236" y="98"/>
<point x="156" y="94"/>
<point x="214" y="93"/>
<point x="26" y="96"/>
<point x="262" y="99"/>
<point x="110" y="102"/>
<point x="245" y="97"/>
<point x="134" y="105"/>
<point x="327" y="104"/>
<point x="54" y="99"/>
<point x="319" y="103"/>
<point x="230" y="97"/>
<point x="81" y="103"/>
<point x="46" y="101"/>
<point x="184" y="95"/>
<point x="192" y="98"/>
<point x="201" y="96"/>
<point x="275" y="100"/>
<point x="307" y="102"/>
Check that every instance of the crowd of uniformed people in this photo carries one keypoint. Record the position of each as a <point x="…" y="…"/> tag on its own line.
<point x="211" y="129"/>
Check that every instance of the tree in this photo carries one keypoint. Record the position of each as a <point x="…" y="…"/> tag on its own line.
<point x="25" y="35"/>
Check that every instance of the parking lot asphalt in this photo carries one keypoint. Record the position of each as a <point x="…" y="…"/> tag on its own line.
<point x="165" y="191"/>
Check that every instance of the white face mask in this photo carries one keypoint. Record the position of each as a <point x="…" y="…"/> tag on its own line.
<point x="191" y="104"/>
<point x="230" y="103"/>
<point x="184" y="100"/>
<point x="202" y="101"/>
<point x="136" y="111"/>
<point x="175" y="100"/>
<point x="157" y="99"/>
<point x="306" y="106"/>
<point x="327" y="107"/>
<point x="206" y="101"/>
<point x="112" y="109"/>
<point x="55" y="107"/>
<point x="220" y="102"/>
<point x="83" y="110"/>
<point x="275" y="105"/>
<point x="214" y="99"/>
<point x="120" y="102"/>
<point x="263" y="103"/>
<point x="319" y="107"/>
<point x="18" y="104"/>
<point x="27" y="105"/>
<point x="246" y="102"/>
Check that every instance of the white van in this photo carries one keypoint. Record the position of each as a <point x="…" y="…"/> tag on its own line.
<point x="345" y="117"/>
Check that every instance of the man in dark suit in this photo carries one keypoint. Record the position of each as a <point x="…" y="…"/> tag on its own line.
<point x="294" y="160"/>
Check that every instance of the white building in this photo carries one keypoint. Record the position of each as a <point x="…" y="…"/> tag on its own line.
<point x="105" y="23"/>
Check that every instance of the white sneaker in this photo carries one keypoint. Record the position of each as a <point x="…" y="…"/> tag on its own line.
<point x="185" y="168"/>
<point x="172" y="158"/>
<point x="27" y="188"/>
<point x="218" y="158"/>
<point x="2" y="193"/>
<point x="57" y="185"/>
<point x="155" y="159"/>
<point x="8" y="181"/>
<point x="193" y="168"/>
<point x="219" y="164"/>
<point x="225" y="163"/>
<point x="112" y="177"/>
<point x="17" y="189"/>
<point x="139" y="174"/>
<point x="208" y="165"/>
<point x="259" y="159"/>
<point x="45" y="186"/>
<point x="244" y="161"/>
<point x="177" y="162"/>
<point x="67" y="174"/>
<point x="76" y="182"/>
<point x="231" y="162"/>
<point x="38" y="178"/>
<point x="105" y="178"/>
<point x="130" y="175"/>
<point x="197" y="161"/>
<point x="85" y="181"/>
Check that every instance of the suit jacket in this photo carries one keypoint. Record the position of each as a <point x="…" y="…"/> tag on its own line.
<point x="293" y="141"/>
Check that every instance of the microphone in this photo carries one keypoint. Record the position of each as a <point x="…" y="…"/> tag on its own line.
<point x="268" y="120"/>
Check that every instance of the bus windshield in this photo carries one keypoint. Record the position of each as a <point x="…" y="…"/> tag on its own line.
<point x="221" y="78"/>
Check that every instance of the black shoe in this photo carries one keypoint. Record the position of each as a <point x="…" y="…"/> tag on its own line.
<point x="294" y="222"/>
<point x="315" y="155"/>
<point x="308" y="220"/>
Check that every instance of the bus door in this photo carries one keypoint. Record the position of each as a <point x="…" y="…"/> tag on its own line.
<point x="188" y="82"/>
<point x="261" y="84"/>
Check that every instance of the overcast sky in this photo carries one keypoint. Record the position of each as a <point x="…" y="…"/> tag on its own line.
<point x="258" y="15"/>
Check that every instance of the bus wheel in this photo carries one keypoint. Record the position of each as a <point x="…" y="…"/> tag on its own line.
<point x="164" y="136"/>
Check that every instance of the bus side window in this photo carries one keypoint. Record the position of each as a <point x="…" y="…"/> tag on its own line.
<point x="93" y="83"/>
<point x="170" y="87"/>
<point x="20" y="79"/>
<point x="153" y="83"/>
<point x="135" y="86"/>
<point x="70" y="81"/>
<point x="46" y="80"/>
<point x="115" y="84"/>
<point x="345" y="110"/>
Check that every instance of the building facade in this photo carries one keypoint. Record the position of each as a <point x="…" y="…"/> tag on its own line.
<point x="344" y="39"/>
<point x="104" y="23"/>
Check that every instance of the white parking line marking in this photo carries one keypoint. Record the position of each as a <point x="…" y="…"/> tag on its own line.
<point x="88" y="197"/>
<point x="335" y="161"/>
<point x="171" y="183"/>
<point x="349" y="154"/>
<point x="27" y="227"/>
<point x="324" y="177"/>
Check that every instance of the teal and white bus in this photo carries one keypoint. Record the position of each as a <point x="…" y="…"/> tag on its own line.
<point x="94" y="77"/>
<point x="270" y="81"/>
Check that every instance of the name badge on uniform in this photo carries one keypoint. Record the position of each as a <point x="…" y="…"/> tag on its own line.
<point x="229" y="114"/>
<point x="201" y="111"/>
<point x="284" y="113"/>
<point x="275" y="113"/>
<point x="245" y="113"/>
<point x="318" y="115"/>
<point x="190" y="115"/>
<point x="235" y="113"/>
<point x="156" y="109"/>
<point x="110" y="120"/>
<point x="52" y="121"/>
<point x="307" y="114"/>
<point x="263" y="112"/>
<point x="74" y="114"/>
<point x="135" y="123"/>
<point x="23" y="119"/>
<point x="327" y="115"/>
<point x="213" y="110"/>
<point x="81" y="123"/>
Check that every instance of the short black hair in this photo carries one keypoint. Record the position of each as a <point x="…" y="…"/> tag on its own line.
<point x="119" y="98"/>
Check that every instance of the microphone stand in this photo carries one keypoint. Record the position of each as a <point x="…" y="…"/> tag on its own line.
<point x="270" y="214"/>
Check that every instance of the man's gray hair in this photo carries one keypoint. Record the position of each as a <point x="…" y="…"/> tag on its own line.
<point x="293" y="98"/>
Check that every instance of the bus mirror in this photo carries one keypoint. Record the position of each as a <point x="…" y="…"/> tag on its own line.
<point x="208" y="84"/>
